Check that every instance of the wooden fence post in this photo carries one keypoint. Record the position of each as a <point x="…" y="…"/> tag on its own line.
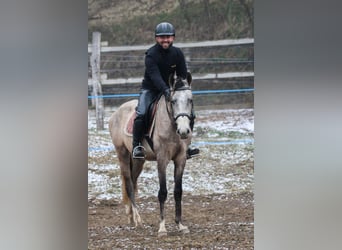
<point x="96" y="79"/>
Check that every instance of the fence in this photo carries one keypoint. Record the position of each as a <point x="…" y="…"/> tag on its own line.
<point x="99" y="77"/>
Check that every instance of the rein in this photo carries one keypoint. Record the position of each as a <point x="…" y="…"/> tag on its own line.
<point x="168" y="110"/>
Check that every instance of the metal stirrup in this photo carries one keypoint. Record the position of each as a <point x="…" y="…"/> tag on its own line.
<point x="135" y="149"/>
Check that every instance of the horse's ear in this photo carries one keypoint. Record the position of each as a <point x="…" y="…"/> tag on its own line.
<point x="189" y="77"/>
<point x="171" y="80"/>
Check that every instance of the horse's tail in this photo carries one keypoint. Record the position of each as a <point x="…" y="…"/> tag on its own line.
<point x="125" y="198"/>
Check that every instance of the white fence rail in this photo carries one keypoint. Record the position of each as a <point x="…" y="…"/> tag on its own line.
<point x="99" y="79"/>
<point x="105" y="81"/>
<point x="227" y="42"/>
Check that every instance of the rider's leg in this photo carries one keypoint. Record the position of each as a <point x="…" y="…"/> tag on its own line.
<point x="145" y="99"/>
<point x="192" y="151"/>
<point x="138" y="134"/>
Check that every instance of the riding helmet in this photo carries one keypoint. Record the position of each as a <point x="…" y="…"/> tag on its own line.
<point x="165" y="29"/>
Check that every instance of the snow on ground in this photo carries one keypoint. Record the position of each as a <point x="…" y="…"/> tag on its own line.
<point x="221" y="168"/>
<point x="241" y="120"/>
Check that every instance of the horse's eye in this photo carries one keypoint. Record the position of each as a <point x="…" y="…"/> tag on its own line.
<point x="173" y="102"/>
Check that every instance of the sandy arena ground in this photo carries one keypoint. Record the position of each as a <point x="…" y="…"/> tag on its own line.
<point x="218" y="199"/>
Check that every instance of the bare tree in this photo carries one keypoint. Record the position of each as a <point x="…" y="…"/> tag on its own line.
<point x="184" y="9"/>
<point x="207" y="9"/>
<point x="248" y="9"/>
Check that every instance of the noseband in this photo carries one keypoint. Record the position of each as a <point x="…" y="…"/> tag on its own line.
<point x="182" y="114"/>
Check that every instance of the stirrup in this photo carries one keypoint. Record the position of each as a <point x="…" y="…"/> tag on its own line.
<point x="192" y="152"/>
<point x="138" y="152"/>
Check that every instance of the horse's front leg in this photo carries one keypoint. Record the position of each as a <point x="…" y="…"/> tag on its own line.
<point x="178" y="191"/>
<point x="162" y="195"/>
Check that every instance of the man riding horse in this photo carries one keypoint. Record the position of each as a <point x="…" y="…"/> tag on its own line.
<point x="161" y="60"/>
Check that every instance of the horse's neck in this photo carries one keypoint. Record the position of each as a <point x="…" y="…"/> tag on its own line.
<point x="164" y="115"/>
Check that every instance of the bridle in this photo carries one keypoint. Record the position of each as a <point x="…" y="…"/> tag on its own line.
<point x="183" y="88"/>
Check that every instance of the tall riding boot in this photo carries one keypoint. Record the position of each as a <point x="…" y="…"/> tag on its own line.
<point x="138" y="134"/>
<point x="192" y="151"/>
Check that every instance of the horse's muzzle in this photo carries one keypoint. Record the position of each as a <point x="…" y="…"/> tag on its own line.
<point x="183" y="127"/>
<point x="183" y="135"/>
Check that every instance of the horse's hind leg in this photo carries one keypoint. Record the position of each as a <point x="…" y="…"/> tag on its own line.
<point x="125" y="197"/>
<point x="128" y="189"/>
<point x="131" y="208"/>
<point x="136" y="168"/>
<point x="126" y="201"/>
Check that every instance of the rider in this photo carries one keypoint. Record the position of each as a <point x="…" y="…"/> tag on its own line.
<point x="161" y="60"/>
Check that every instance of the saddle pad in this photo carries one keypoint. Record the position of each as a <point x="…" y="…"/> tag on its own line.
<point x="130" y="123"/>
<point x="129" y="126"/>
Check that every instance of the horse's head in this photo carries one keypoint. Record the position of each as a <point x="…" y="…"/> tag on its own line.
<point x="181" y="103"/>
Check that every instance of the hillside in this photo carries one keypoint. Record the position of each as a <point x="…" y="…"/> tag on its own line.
<point x="132" y="22"/>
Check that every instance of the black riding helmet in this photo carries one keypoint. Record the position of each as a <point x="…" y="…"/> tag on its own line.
<point x="165" y="29"/>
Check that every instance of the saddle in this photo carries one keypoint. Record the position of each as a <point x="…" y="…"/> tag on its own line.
<point x="150" y="121"/>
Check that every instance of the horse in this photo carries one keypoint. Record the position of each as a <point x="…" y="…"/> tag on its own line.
<point x="171" y="138"/>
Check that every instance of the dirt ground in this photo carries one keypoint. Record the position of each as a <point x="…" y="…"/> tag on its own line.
<point x="217" y="221"/>
<point x="218" y="200"/>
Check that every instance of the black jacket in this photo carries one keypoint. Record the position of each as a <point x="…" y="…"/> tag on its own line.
<point x="159" y="64"/>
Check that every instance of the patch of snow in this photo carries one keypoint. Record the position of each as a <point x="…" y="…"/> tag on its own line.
<point x="224" y="168"/>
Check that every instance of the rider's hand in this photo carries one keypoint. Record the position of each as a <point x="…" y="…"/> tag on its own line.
<point x="167" y="94"/>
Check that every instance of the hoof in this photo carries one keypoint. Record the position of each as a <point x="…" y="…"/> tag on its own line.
<point x="183" y="229"/>
<point x="136" y="217"/>
<point x="139" y="225"/>
<point x="131" y="222"/>
<point x="162" y="234"/>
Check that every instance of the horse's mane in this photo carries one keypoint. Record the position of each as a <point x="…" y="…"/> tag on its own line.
<point x="179" y="83"/>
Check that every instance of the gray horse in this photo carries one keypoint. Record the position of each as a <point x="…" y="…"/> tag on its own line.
<point x="171" y="137"/>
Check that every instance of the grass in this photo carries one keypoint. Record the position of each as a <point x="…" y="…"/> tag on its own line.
<point x="221" y="19"/>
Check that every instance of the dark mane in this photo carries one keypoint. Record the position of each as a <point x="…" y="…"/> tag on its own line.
<point x="179" y="83"/>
